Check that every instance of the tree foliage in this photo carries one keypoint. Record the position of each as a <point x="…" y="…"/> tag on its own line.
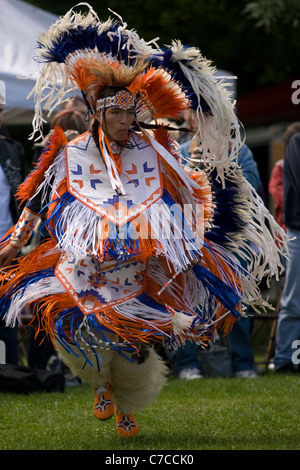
<point x="259" y="41"/>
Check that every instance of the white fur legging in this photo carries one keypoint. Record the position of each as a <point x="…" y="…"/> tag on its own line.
<point x="133" y="385"/>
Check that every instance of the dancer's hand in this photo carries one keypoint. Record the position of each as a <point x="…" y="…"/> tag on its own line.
<point x="7" y="254"/>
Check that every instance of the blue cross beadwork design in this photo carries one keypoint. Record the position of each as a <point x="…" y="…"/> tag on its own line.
<point x="93" y="181"/>
<point x="141" y="176"/>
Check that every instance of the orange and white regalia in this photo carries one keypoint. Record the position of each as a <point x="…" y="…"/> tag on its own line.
<point x="140" y="248"/>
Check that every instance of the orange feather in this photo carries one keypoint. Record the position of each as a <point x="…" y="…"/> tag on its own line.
<point x="35" y="178"/>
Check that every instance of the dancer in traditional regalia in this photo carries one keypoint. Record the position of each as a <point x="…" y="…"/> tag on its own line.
<point x="140" y="249"/>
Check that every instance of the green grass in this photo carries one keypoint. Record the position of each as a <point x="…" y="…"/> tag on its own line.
<point x="207" y="414"/>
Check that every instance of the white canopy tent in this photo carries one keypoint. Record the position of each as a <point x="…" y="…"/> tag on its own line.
<point x="20" y="24"/>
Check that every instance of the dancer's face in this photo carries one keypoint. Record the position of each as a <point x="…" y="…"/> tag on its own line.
<point x="117" y="122"/>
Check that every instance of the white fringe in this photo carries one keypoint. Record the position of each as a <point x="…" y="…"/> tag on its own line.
<point x="38" y="290"/>
<point x="111" y="168"/>
<point x="215" y="132"/>
<point x="261" y="235"/>
<point x="54" y="84"/>
<point x="82" y="229"/>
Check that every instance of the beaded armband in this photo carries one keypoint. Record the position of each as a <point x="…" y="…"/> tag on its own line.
<point x="24" y="228"/>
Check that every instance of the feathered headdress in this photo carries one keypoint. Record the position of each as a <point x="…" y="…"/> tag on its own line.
<point x="81" y="52"/>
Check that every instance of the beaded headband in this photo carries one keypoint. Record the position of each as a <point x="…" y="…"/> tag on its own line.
<point x="123" y="99"/>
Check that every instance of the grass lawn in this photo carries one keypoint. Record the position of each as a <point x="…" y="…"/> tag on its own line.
<point x="207" y="414"/>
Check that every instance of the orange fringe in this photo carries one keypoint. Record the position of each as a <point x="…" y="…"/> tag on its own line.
<point x="48" y="309"/>
<point x="93" y="75"/>
<point x="6" y="242"/>
<point x="36" y="260"/>
<point x="163" y="96"/>
<point x="35" y="178"/>
<point x="45" y="311"/>
<point x="204" y="195"/>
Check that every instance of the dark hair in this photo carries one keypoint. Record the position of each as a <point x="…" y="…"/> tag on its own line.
<point x="69" y="120"/>
<point x="74" y="101"/>
<point x="290" y="130"/>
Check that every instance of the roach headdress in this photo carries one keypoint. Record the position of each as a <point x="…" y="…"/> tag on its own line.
<point x="80" y="52"/>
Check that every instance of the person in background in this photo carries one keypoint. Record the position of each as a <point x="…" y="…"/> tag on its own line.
<point x="12" y="173"/>
<point x="78" y="104"/>
<point x="71" y="121"/>
<point x="275" y="188"/>
<point x="240" y="335"/>
<point x="71" y="118"/>
<point x="288" y="325"/>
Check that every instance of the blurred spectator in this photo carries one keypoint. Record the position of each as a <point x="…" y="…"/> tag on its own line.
<point x="12" y="173"/>
<point x="71" y="121"/>
<point x="288" y="326"/>
<point x="276" y="190"/>
<point x="78" y="104"/>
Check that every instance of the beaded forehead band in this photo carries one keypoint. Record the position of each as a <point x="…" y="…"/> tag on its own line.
<point x="123" y="99"/>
